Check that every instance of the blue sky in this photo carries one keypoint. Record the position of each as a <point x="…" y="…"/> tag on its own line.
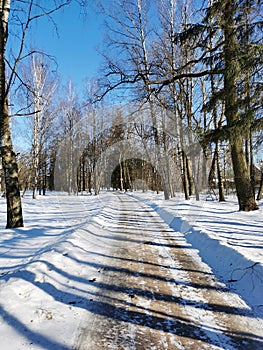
<point x="75" y="44"/>
<point x="73" y="40"/>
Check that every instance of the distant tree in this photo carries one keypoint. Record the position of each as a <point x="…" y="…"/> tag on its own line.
<point x="41" y="84"/>
<point x="70" y="123"/>
<point x="130" y="35"/>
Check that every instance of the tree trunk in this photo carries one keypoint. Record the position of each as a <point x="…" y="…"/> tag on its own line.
<point x="44" y="179"/>
<point x="12" y="193"/>
<point x="36" y="149"/>
<point x="13" y="200"/>
<point x="260" y="190"/>
<point x="241" y="173"/>
<point x="190" y="177"/>
<point x="2" y="178"/>
<point x="217" y="124"/>
<point x="185" y="177"/>
<point x="251" y="163"/>
<point x="244" y="189"/>
<point x="212" y="171"/>
<point x="221" y="189"/>
<point x="89" y="182"/>
<point x="121" y="172"/>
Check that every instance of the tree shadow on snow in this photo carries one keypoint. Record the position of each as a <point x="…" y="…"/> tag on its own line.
<point x="105" y="301"/>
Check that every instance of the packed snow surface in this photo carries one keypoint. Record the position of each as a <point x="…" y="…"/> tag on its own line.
<point x="48" y="268"/>
<point x="230" y="241"/>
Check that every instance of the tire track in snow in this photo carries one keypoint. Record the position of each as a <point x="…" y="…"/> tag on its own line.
<point x="157" y="294"/>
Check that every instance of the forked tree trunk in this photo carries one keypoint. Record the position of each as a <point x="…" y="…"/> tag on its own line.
<point x="14" y="208"/>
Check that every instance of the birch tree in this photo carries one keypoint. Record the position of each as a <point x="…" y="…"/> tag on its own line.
<point x="24" y="13"/>
<point x="43" y="85"/>
<point x="14" y="207"/>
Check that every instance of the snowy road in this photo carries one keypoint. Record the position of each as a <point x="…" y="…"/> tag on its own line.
<point x="106" y="272"/>
<point x="152" y="291"/>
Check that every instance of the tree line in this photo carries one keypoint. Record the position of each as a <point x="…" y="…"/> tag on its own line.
<point x="190" y="75"/>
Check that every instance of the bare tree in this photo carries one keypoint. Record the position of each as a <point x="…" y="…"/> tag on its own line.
<point x="14" y="207"/>
<point x="42" y="85"/>
<point x="24" y="12"/>
<point x="129" y="33"/>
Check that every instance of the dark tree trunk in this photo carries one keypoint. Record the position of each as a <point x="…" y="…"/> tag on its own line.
<point x="191" y="183"/>
<point x="221" y="190"/>
<point x="185" y="177"/>
<point x="260" y="190"/>
<point x="241" y="172"/>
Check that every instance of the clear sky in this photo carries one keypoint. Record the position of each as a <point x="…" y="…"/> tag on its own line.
<point x="72" y="39"/>
<point x="74" y="44"/>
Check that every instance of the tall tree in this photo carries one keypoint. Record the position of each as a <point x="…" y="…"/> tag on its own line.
<point x="24" y="13"/>
<point x="42" y="83"/>
<point x="14" y="207"/>
<point x="225" y="30"/>
<point x="193" y="39"/>
<point x="244" y="188"/>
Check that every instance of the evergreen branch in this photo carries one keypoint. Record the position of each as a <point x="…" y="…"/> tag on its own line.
<point x="225" y="132"/>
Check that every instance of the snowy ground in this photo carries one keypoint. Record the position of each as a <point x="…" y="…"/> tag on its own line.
<point x="229" y="241"/>
<point x="49" y="269"/>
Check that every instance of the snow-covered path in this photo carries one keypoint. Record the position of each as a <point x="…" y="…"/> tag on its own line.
<point x="155" y="293"/>
<point x="108" y="273"/>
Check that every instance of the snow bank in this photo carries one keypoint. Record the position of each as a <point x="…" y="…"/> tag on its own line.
<point x="229" y="241"/>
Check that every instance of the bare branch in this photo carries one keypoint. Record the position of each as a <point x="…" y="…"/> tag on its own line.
<point x="123" y="81"/>
<point x="176" y="77"/>
<point x="24" y="114"/>
<point x="25" y="29"/>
